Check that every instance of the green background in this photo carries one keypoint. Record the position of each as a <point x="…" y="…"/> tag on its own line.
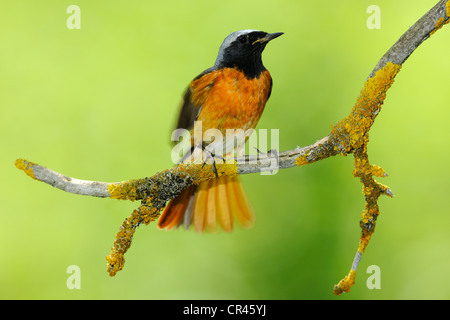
<point x="99" y="104"/>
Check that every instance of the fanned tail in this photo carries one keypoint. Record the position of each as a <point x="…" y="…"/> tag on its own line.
<point x="208" y="206"/>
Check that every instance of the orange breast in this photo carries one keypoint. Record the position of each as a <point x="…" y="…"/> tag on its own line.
<point x="229" y="100"/>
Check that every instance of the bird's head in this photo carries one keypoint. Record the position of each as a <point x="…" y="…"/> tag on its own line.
<point x="243" y="49"/>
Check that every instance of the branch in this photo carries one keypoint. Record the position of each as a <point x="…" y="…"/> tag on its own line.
<point x="60" y="181"/>
<point x="348" y="136"/>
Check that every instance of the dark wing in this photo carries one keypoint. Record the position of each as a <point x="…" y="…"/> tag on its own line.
<point x="189" y="111"/>
<point x="192" y="104"/>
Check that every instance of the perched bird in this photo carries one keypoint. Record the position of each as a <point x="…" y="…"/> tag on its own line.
<point x="230" y="95"/>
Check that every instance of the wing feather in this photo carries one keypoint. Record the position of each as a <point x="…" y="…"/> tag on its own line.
<point x="194" y="98"/>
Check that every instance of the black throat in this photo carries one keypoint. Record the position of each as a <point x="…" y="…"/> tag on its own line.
<point x="252" y="68"/>
<point x="250" y="63"/>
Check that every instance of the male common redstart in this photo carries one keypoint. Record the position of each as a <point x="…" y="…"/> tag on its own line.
<point x="230" y="95"/>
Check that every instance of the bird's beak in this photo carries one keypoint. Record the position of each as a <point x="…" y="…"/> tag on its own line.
<point x="268" y="37"/>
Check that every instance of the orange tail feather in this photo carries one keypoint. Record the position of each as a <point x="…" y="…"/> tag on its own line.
<point x="209" y="204"/>
<point x="200" y="207"/>
<point x="224" y="213"/>
<point x="239" y="203"/>
<point x="175" y="210"/>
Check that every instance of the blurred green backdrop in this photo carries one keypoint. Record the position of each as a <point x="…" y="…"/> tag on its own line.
<point x="99" y="104"/>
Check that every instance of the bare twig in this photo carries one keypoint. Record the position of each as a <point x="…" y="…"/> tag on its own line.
<point x="60" y="181"/>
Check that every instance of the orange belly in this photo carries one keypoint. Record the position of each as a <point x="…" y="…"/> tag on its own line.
<point x="229" y="100"/>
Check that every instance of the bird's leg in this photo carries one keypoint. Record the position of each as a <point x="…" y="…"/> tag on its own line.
<point x="211" y="155"/>
<point x="274" y="151"/>
<point x="187" y="155"/>
<point x="271" y="154"/>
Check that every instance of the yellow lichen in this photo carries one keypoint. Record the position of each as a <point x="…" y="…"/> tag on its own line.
<point x="384" y="189"/>
<point x="447" y="5"/>
<point x="352" y="134"/>
<point x="148" y="212"/>
<point x="363" y="242"/>
<point x="201" y="173"/>
<point x="377" y="171"/>
<point x="357" y="124"/>
<point x="301" y="160"/>
<point x="26" y="166"/>
<point x="125" y="190"/>
<point x="115" y="263"/>
<point x="440" y="23"/>
<point x="345" y="284"/>
<point x="122" y="243"/>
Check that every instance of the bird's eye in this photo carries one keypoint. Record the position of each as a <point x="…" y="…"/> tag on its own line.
<point x="243" y="39"/>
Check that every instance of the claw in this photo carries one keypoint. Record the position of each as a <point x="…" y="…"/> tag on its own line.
<point x="268" y="153"/>
<point x="211" y="155"/>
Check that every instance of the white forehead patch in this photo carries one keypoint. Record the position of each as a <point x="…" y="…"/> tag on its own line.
<point x="228" y="40"/>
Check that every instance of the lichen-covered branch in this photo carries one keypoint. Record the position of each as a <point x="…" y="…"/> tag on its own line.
<point x="137" y="189"/>
<point x="353" y="131"/>
<point x="348" y="136"/>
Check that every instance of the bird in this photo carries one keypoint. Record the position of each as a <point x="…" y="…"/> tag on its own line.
<point x="231" y="94"/>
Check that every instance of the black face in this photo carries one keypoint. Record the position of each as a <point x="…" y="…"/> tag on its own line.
<point x="247" y="45"/>
<point x="243" y="50"/>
